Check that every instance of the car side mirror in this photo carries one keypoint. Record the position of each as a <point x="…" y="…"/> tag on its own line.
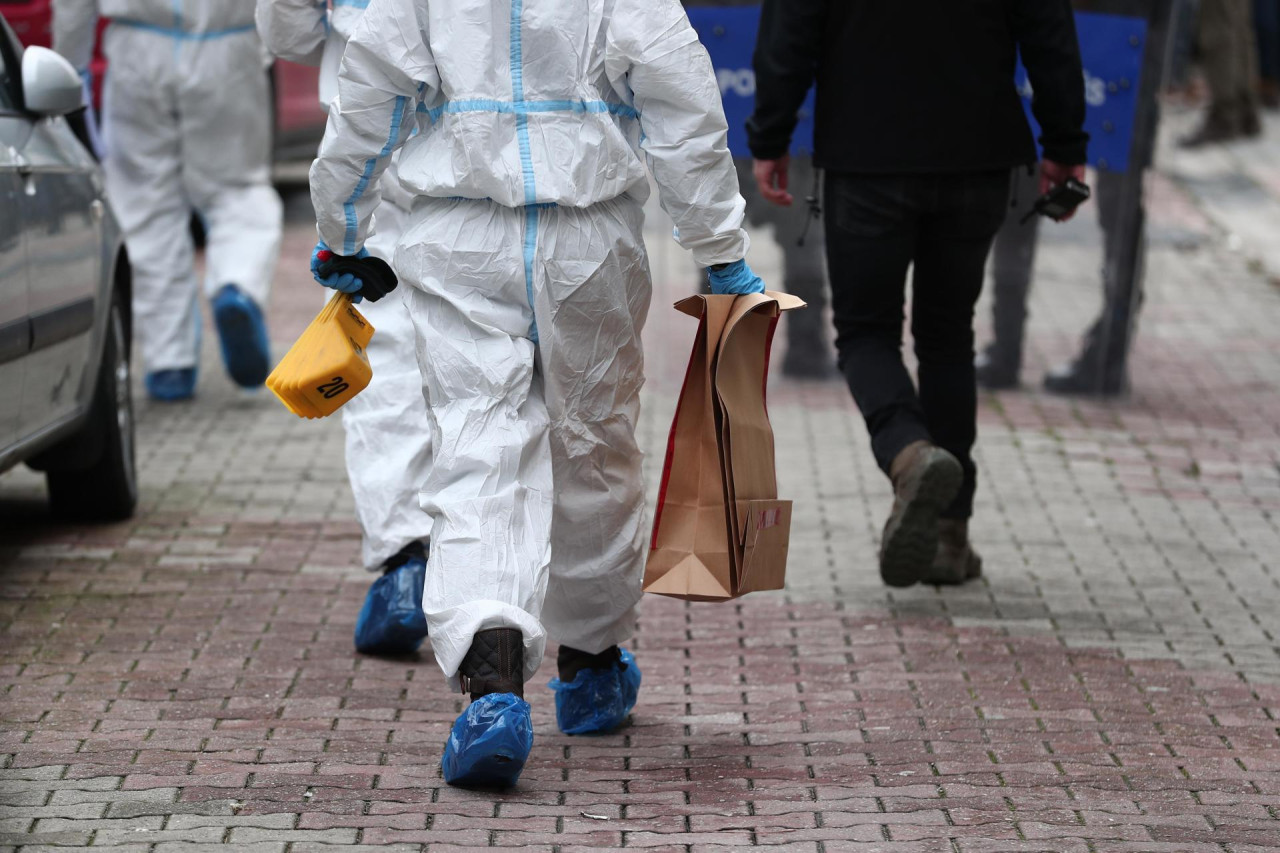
<point x="50" y="85"/>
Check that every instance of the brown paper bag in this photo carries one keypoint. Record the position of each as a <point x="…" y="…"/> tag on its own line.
<point x="719" y="530"/>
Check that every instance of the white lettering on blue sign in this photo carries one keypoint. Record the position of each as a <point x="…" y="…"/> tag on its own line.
<point x="739" y="81"/>
<point x="1095" y="90"/>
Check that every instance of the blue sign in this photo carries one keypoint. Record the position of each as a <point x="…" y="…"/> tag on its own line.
<point x="729" y="34"/>
<point x="1110" y="45"/>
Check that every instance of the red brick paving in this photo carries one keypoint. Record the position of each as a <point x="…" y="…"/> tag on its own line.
<point x="248" y="719"/>
<point x="1112" y="684"/>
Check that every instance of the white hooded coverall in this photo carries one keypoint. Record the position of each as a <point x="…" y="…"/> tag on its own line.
<point x="388" y="441"/>
<point x="187" y="126"/>
<point x="529" y="280"/>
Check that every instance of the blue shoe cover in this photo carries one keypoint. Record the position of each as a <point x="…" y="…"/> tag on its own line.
<point x="170" y="386"/>
<point x="489" y="743"/>
<point x="391" y="621"/>
<point x="597" y="700"/>
<point x="243" y="333"/>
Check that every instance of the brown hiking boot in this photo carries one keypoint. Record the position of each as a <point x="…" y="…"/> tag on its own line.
<point x="494" y="663"/>
<point x="956" y="562"/>
<point x="925" y="480"/>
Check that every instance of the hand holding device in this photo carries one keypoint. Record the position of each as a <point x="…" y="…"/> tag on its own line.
<point x="1062" y="190"/>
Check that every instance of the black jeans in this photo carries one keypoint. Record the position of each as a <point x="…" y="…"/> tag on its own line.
<point x="877" y="227"/>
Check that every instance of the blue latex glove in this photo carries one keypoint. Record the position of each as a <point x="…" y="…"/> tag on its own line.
<point x="347" y="283"/>
<point x="735" y="278"/>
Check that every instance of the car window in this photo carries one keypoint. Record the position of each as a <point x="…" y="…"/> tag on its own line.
<point x="6" y="102"/>
<point x="10" y="68"/>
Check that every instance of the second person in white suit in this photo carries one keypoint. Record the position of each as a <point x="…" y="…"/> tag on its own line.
<point x="388" y="439"/>
<point x="187" y="129"/>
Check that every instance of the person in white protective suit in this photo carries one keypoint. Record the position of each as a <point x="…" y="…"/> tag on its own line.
<point x="528" y="287"/>
<point x="186" y="127"/>
<point x="388" y="437"/>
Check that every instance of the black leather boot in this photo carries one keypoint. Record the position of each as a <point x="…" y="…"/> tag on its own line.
<point x="995" y="371"/>
<point x="1085" y="377"/>
<point x="569" y="662"/>
<point x="494" y="663"/>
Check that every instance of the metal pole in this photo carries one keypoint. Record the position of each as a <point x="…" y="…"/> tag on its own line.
<point x="1121" y="307"/>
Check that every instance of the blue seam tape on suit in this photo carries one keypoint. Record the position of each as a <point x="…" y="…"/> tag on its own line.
<point x="180" y="34"/>
<point x="526" y="158"/>
<point x="530" y="250"/>
<point x="520" y="107"/>
<point x="349" y="208"/>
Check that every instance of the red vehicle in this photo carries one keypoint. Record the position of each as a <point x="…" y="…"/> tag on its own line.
<point x="299" y="119"/>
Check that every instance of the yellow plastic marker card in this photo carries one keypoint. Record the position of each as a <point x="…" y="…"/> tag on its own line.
<point x="327" y="365"/>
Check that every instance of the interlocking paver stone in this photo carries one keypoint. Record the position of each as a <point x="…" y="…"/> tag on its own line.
<point x="185" y="681"/>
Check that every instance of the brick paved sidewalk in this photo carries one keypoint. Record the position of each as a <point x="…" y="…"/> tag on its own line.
<point x="1113" y="683"/>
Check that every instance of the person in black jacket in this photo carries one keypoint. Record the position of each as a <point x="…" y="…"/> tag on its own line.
<point x="918" y="127"/>
<point x="800" y="240"/>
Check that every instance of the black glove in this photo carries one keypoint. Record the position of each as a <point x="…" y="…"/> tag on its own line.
<point x="376" y="275"/>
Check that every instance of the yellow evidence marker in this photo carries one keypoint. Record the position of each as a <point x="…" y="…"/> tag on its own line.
<point x="327" y="365"/>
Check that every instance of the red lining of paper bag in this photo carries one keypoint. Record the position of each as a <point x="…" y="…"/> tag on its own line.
<point x="671" y="446"/>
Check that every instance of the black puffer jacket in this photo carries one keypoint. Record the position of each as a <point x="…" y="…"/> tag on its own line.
<point x="919" y="86"/>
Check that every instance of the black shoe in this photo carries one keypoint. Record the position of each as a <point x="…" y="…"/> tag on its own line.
<point x="1219" y="126"/>
<point x="494" y="663"/>
<point x="1251" y="124"/>
<point x="994" y="374"/>
<point x="569" y="661"/>
<point x="1078" y="378"/>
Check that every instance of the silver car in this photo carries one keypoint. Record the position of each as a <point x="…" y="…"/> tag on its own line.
<point x="65" y="407"/>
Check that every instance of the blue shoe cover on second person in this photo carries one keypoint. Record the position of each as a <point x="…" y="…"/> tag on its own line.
<point x="243" y="334"/>
<point x="489" y="743"/>
<point x="391" y="622"/>
<point x="170" y="386"/>
<point x="597" y="700"/>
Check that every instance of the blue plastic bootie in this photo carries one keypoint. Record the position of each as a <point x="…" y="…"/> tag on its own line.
<point x="597" y="699"/>
<point x="243" y="332"/>
<point x="171" y="386"/>
<point x="490" y="743"/>
<point x="391" y="622"/>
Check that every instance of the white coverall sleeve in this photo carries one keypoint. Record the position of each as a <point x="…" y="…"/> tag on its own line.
<point x="75" y="26"/>
<point x="653" y="51"/>
<point x="294" y="30"/>
<point x="386" y="71"/>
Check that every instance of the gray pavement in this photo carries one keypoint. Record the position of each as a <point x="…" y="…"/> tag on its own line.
<point x="1112" y="683"/>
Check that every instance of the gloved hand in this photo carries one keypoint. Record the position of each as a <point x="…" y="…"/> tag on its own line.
<point x="346" y="282"/>
<point x="735" y="278"/>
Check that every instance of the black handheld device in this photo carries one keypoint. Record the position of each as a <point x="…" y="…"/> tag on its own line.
<point x="375" y="273"/>
<point x="1061" y="201"/>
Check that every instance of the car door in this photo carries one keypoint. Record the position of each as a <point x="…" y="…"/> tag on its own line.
<point x="63" y="211"/>
<point x="14" y="328"/>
